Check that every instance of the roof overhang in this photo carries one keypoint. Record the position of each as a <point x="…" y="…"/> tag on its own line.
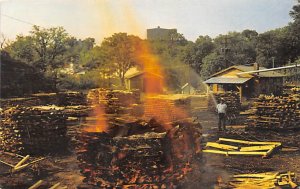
<point x="226" y="80"/>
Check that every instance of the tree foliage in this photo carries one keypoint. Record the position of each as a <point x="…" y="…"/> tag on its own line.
<point x="119" y="51"/>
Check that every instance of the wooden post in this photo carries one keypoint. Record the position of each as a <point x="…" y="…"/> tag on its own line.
<point x="240" y="88"/>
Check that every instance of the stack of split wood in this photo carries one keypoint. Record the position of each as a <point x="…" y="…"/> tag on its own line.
<point x="266" y="180"/>
<point x="166" y="109"/>
<point x="155" y="159"/>
<point x="276" y="112"/>
<point x="60" y="99"/>
<point x="231" y="99"/>
<point x="114" y="101"/>
<point x="11" y="102"/>
<point x="71" y="98"/>
<point x="33" y="130"/>
<point x="230" y="147"/>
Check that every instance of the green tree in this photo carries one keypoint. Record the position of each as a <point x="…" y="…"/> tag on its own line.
<point x="236" y="48"/>
<point x="120" y="51"/>
<point x="22" y="49"/>
<point x="195" y="52"/>
<point x="212" y="63"/>
<point x="50" y="45"/>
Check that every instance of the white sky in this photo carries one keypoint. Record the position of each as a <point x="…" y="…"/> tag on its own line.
<point x="101" y="18"/>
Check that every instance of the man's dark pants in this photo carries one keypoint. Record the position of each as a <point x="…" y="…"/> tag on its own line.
<point x="222" y="120"/>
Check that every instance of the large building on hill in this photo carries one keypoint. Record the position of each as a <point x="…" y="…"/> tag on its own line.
<point x="248" y="84"/>
<point x="160" y="33"/>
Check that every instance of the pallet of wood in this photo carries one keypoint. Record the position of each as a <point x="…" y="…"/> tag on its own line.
<point x="276" y="112"/>
<point x="33" y="130"/>
<point x="231" y="147"/>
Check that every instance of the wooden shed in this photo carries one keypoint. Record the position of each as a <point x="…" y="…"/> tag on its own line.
<point x="145" y="82"/>
<point x="188" y="89"/>
<point x="248" y="84"/>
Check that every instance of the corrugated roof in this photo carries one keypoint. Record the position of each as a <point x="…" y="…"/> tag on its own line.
<point x="244" y="68"/>
<point x="226" y="80"/>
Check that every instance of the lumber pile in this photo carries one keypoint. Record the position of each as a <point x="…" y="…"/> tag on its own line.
<point x="150" y="158"/>
<point x="71" y="98"/>
<point x="33" y="130"/>
<point x="229" y="147"/>
<point x="276" y="112"/>
<point x="11" y="102"/>
<point x="291" y="89"/>
<point x="166" y="109"/>
<point x="232" y="100"/>
<point x="114" y="101"/>
<point x="266" y="180"/>
<point x="60" y="99"/>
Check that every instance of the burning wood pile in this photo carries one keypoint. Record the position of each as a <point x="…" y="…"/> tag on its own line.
<point x="232" y="100"/>
<point x="276" y="112"/>
<point x="142" y="157"/>
<point x="33" y="130"/>
<point x="114" y="101"/>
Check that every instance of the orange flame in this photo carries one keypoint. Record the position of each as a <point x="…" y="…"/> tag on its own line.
<point x="101" y="121"/>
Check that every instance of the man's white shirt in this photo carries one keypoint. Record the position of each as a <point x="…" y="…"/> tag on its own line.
<point x="221" y="108"/>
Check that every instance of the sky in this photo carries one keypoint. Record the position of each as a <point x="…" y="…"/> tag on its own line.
<point x="102" y="18"/>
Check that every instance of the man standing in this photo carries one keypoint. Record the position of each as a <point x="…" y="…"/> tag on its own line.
<point x="221" y="109"/>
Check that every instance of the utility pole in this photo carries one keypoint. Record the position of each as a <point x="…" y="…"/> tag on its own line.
<point x="273" y="61"/>
<point x="225" y="50"/>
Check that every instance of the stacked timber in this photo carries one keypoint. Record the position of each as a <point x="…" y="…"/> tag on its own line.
<point x="47" y="98"/>
<point x="232" y="100"/>
<point x="114" y="101"/>
<point x="59" y="99"/>
<point x="68" y="98"/>
<point x="33" y="130"/>
<point x="165" y="110"/>
<point x="11" y="102"/>
<point x="157" y="159"/>
<point x="71" y="98"/>
<point x="276" y="112"/>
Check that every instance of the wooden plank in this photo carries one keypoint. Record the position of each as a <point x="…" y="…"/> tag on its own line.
<point x="55" y="186"/>
<point x="258" y="175"/>
<point x="215" y="151"/>
<point x="248" y="142"/>
<point x="257" y="148"/>
<point x="247" y="153"/>
<point x="22" y="161"/>
<point x="36" y="185"/>
<point x="221" y="146"/>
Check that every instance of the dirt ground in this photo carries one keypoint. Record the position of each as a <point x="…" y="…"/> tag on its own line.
<point x="63" y="168"/>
